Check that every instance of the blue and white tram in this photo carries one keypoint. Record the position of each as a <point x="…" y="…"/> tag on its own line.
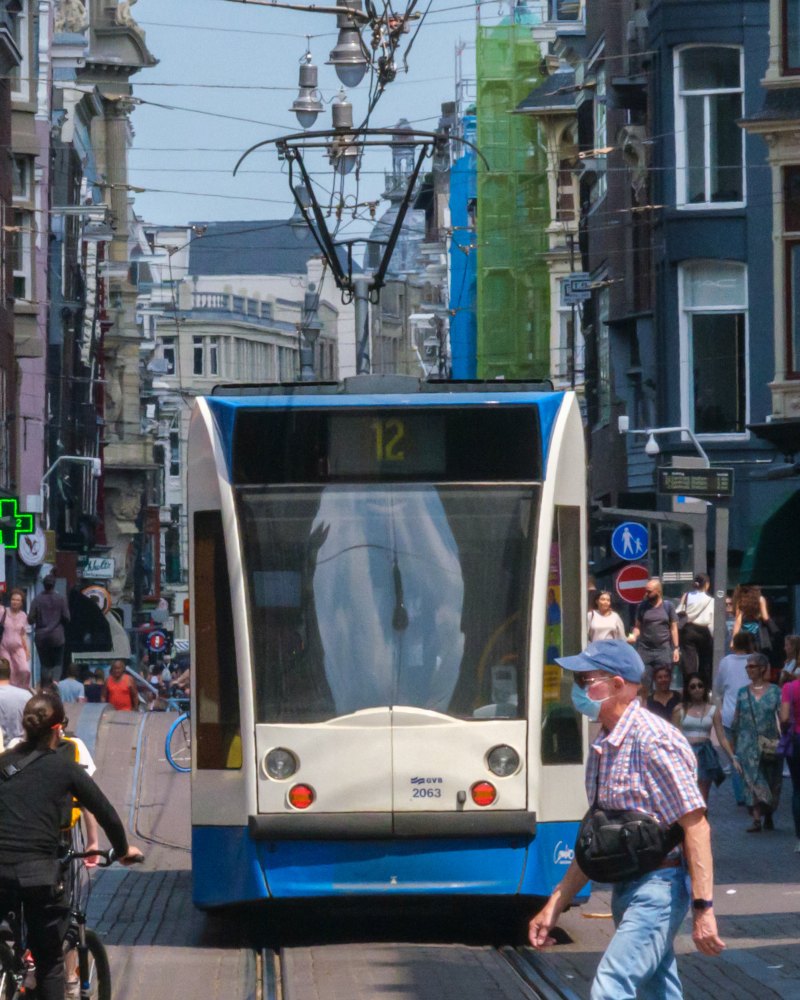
<point x="382" y="572"/>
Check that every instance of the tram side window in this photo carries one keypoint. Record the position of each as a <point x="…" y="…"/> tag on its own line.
<point x="219" y="737"/>
<point x="561" y="726"/>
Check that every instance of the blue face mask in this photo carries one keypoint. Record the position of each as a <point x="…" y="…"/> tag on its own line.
<point x="586" y="705"/>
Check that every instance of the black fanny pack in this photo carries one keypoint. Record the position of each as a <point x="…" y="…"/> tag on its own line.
<point x="614" y="845"/>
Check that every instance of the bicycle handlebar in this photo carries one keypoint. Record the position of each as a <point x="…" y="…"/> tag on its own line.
<point x="108" y="857"/>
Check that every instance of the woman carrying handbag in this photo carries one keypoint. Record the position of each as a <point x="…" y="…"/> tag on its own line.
<point x="755" y="743"/>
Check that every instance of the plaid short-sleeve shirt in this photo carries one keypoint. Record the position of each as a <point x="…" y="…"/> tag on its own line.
<point x="646" y="764"/>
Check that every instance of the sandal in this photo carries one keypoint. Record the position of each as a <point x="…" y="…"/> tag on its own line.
<point x="755" y="828"/>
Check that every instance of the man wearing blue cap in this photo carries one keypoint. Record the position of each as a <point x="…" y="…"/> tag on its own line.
<point x="639" y="762"/>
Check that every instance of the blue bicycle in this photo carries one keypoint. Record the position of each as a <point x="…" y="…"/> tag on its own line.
<point x="178" y="744"/>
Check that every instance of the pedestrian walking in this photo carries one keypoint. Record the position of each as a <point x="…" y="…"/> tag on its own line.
<point x="696" y="628"/>
<point x="730" y="678"/>
<point x="639" y="762"/>
<point x="752" y="615"/>
<point x="93" y="686"/>
<point x="655" y="631"/>
<point x="604" y="622"/>
<point x="120" y="689"/>
<point x="49" y="614"/>
<point x="12" y="703"/>
<point x="755" y="740"/>
<point x="70" y="688"/>
<point x="695" y="716"/>
<point x="14" y="643"/>
<point x="790" y="725"/>
<point x="791" y="666"/>
<point x="663" y="701"/>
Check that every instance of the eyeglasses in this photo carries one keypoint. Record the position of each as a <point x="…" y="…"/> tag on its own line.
<point x="585" y="681"/>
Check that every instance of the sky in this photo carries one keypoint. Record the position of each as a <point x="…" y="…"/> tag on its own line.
<point x="226" y="77"/>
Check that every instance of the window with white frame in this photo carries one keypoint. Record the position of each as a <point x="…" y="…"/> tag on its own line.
<point x="213" y="355"/>
<point x="198" y="367"/>
<point x="790" y="32"/>
<point x="174" y="453"/>
<point x="168" y="353"/>
<point x="21" y="249"/>
<point x="19" y="75"/>
<point x="22" y="178"/>
<point x="600" y="136"/>
<point x="791" y="244"/>
<point x="709" y="145"/>
<point x="713" y="301"/>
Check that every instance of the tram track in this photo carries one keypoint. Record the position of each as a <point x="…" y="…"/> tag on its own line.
<point x="144" y="737"/>
<point x="534" y="976"/>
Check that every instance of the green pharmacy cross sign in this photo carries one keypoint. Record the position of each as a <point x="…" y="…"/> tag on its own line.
<point x="13" y="523"/>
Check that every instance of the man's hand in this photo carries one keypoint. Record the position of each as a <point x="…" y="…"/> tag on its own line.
<point x="676" y="655"/>
<point x="704" y="933"/>
<point x="134" y="856"/>
<point x="540" y="926"/>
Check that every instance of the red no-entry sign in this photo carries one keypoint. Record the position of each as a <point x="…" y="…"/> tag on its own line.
<point x="631" y="582"/>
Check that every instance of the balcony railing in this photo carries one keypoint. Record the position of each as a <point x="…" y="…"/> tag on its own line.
<point x="237" y="307"/>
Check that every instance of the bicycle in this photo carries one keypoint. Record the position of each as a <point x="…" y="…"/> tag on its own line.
<point x="84" y="952"/>
<point x="178" y="746"/>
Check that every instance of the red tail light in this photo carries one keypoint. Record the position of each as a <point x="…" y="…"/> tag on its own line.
<point x="301" y="796"/>
<point x="483" y="793"/>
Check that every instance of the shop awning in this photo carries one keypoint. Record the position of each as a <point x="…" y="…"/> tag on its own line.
<point x="774" y="557"/>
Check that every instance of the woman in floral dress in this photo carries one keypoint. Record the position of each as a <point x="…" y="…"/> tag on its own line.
<point x="14" y="645"/>
<point x="757" y="706"/>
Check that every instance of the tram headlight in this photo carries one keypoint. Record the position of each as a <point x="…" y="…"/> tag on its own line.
<point x="280" y="764"/>
<point x="502" y="761"/>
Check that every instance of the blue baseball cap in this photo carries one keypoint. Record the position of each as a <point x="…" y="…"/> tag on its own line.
<point x="614" y="656"/>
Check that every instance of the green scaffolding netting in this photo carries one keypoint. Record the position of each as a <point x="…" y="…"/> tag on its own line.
<point x="513" y="210"/>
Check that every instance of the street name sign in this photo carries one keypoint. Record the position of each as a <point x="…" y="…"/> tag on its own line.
<point x="575" y="288"/>
<point x="717" y="482"/>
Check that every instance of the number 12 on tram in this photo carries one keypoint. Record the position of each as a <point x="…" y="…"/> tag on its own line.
<point x="382" y="573"/>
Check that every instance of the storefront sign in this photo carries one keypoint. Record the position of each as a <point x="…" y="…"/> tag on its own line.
<point x="96" y="568"/>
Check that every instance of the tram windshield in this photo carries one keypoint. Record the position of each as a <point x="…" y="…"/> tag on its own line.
<point x="367" y="596"/>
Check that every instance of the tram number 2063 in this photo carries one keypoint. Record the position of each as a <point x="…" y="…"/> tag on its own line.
<point x="426" y="793"/>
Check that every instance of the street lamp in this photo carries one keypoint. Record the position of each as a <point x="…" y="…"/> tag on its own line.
<point x="307" y="104"/>
<point x="343" y="152"/>
<point x="94" y="463"/>
<point x="347" y="56"/>
<point x="652" y="448"/>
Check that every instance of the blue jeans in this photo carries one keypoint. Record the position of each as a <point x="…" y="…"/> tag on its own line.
<point x="640" y="960"/>
<point x="737" y="782"/>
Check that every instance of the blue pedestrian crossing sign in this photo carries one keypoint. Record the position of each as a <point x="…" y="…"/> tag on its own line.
<point x="630" y="540"/>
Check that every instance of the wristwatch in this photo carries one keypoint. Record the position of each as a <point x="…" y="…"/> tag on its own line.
<point x="701" y="905"/>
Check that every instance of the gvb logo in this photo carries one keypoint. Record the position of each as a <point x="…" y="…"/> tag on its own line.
<point x="426" y="781"/>
<point x="563" y="854"/>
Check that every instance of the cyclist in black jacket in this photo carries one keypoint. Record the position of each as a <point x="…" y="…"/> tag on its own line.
<point x="37" y="786"/>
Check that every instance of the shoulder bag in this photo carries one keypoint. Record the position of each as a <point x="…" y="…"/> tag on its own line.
<point x="767" y="745"/>
<point x="614" y="845"/>
<point x="3" y="624"/>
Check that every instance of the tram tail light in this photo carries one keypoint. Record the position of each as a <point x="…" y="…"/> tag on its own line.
<point x="483" y="793"/>
<point x="301" y="796"/>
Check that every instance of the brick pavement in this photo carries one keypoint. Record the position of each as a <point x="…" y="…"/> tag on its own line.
<point x="756" y="899"/>
<point x="178" y="950"/>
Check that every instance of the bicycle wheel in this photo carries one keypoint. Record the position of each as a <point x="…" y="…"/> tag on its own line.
<point x="8" y="981"/>
<point x="178" y="744"/>
<point x="97" y="985"/>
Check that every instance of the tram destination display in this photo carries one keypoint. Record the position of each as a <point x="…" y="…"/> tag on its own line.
<point x="453" y="444"/>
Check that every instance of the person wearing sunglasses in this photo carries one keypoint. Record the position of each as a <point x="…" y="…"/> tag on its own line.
<point x="655" y="631"/>
<point x="696" y="717"/>
<point x="639" y="762"/>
